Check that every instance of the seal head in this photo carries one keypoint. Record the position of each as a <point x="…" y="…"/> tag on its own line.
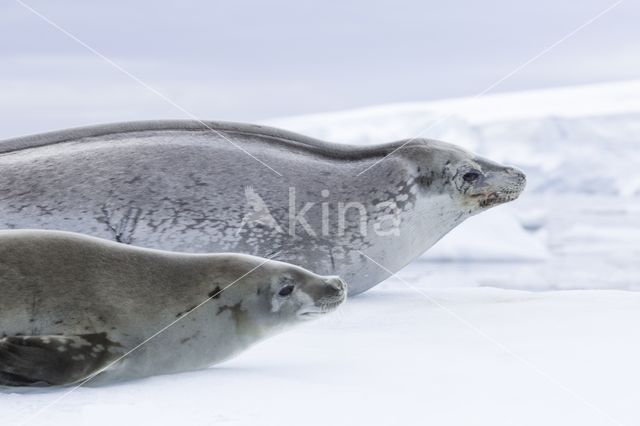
<point x="307" y="299"/>
<point x="486" y="184"/>
<point x="471" y="183"/>
<point x="288" y="296"/>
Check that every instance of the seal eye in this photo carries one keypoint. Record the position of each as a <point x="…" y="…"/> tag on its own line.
<point x="285" y="291"/>
<point x="471" y="176"/>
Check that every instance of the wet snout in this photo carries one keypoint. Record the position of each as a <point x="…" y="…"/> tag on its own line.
<point x="499" y="185"/>
<point x="517" y="175"/>
<point x="337" y="288"/>
<point x="334" y="293"/>
<point x="510" y="183"/>
<point x="327" y="294"/>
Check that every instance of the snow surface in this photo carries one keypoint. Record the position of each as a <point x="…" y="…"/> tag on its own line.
<point x="495" y="235"/>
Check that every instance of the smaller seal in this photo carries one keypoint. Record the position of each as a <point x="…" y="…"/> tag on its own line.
<point x="78" y="308"/>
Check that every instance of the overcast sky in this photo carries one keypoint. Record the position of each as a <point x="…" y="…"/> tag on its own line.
<point x="253" y="60"/>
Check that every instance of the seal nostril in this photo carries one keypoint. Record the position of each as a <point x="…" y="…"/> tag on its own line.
<point x="517" y="175"/>
<point x="515" y="171"/>
<point x="337" y="284"/>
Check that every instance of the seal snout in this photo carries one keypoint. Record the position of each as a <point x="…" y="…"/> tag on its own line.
<point x="335" y="293"/>
<point x="497" y="185"/>
<point x="331" y="295"/>
<point x="516" y="182"/>
<point x="518" y="176"/>
<point x="337" y="283"/>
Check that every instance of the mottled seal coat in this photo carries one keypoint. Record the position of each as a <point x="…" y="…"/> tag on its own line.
<point x="178" y="185"/>
<point x="71" y="305"/>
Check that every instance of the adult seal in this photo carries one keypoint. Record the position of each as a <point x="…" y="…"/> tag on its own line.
<point x="77" y="308"/>
<point x="223" y="187"/>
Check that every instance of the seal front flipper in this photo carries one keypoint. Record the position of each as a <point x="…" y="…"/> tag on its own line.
<point x="54" y="360"/>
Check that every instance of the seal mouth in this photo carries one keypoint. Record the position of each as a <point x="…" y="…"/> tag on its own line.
<point x="311" y="314"/>
<point x="321" y="310"/>
<point x="495" y="198"/>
